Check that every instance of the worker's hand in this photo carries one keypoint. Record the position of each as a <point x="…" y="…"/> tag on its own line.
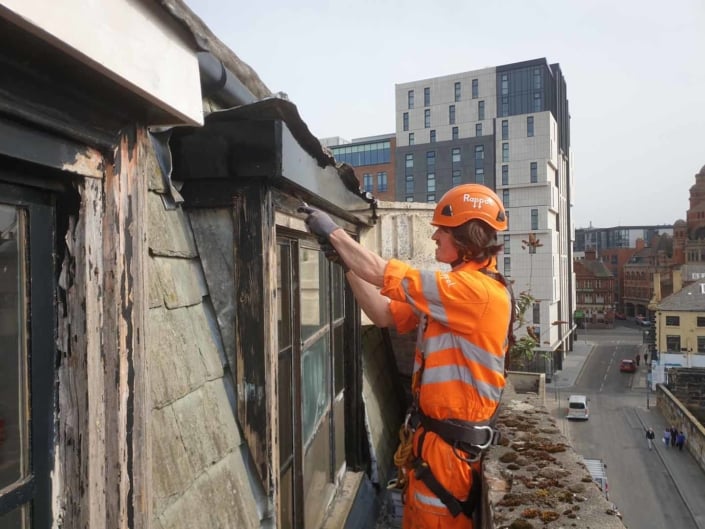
<point x="332" y="255"/>
<point x="318" y="223"/>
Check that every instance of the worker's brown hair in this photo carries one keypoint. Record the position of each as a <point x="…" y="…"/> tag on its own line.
<point x="476" y="241"/>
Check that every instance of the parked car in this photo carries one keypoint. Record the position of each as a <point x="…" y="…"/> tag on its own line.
<point x="578" y="407"/>
<point x="641" y="320"/>
<point x="627" y="366"/>
<point x="620" y="316"/>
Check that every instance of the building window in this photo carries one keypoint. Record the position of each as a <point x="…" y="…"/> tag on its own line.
<point x="430" y="159"/>
<point x="505" y="175"/>
<point x="410" y="160"/>
<point x="451" y="114"/>
<point x="382" y="181"/>
<point x="431" y="183"/>
<point x="456" y="177"/>
<point x="479" y="175"/>
<point x="432" y="136"/>
<point x="480" y="110"/>
<point x="505" y="129"/>
<point x="701" y="344"/>
<point x="478" y="129"/>
<point x="311" y="375"/>
<point x="537" y="78"/>
<point x="700" y="321"/>
<point x="357" y="155"/>
<point x="506" y="248"/>
<point x="537" y="313"/>
<point x="505" y="197"/>
<point x="367" y="183"/>
<point x="507" y="266"/>
<point x="457" y="90"/>
<point x="505" y="152"/>
<point x="673" y="344"/>
<point x="533" y="170"/>
<point x="405" y="121"/>
<point x="427" y="96"/>
<point x="530" y="126"/>
<point x="673" y="321"/>
<point x="427" y="118"/>
<point x="409" y="190"/>
<point x="410" y="198"/>
<point x="455" y="134"/>
<point x="28" y="353"/>
<point x="534" y="225"/>
<point x="504" y="84"/>
<point x="410" y="99"/>
<point x="455" y="155"/>
<point x="537" y="102"/>
<point x="475" y="89"/>
<point x="411" y="138"/>
<point x="504" y="106"/>
<point x="479" y="153"/>
<point x="430" y="198"/>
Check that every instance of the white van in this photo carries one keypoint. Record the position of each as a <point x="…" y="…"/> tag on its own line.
<point x="578" y="407"/>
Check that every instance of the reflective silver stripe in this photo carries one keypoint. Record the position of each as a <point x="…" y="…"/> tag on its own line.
<point x="509" y="331"/>
<point x="471" y="351"/>
<point x="429" y="289"/>
<point x="429" y="500"/>
<point x="433" y="297"/>
<point x="450" y="373"/>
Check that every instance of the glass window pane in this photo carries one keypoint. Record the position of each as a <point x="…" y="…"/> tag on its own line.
<point x="284" y="295"/>
<point x="314" y="310"/>
<point x="286" y="493"/>
<point x="286" y="411"/>
<point x="14" y="420"/>
<point x="314" y="376"/>
<point x="338" y="292"/>
<point x="338" y="358"/>
<point x="17" y="519"/>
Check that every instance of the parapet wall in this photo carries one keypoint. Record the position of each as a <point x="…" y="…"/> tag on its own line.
<point x="678" y="415"/>
<point x="534" y="478"/>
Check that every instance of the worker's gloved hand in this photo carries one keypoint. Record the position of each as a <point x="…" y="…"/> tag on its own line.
<point x="332" y="255"/>
<point x="318" y="223"/>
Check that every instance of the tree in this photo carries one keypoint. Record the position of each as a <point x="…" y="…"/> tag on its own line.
<point x="524" y="349"/>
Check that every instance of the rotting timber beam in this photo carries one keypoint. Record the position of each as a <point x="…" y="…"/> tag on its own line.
<point x="254" y="268"/>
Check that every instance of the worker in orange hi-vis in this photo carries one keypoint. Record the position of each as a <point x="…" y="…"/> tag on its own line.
<point x="464" y="320"/>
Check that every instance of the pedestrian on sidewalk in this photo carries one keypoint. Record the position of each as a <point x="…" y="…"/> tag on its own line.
<point x="646" y="357"/>
<point x="680" y="441"/>
<point x="636" y="359"/>
<point x="650" y="435"/>
<point x="667" y="437"/>
<point x="674" y="435"/>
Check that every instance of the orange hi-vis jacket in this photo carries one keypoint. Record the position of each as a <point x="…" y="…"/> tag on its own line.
<point x="462" y="319"/>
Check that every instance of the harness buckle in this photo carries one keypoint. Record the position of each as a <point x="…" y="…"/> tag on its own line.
<point x="490" y="431"/>
<point x="474" y="457"/>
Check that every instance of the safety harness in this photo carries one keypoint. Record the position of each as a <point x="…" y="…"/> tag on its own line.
<point x="469" y="439"/>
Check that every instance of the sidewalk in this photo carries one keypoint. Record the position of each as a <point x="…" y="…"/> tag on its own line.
<point x="685" y="472"/>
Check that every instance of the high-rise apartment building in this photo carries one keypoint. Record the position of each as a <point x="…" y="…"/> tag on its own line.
<point x="507" y="127"/>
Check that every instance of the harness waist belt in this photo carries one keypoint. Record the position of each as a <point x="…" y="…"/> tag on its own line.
<point x="451" y="430"/>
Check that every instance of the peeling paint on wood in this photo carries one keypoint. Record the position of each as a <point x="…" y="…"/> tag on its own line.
<point x="90" y="163"/>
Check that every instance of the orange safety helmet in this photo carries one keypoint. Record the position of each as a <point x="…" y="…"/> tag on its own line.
<point x="470" y="201"/>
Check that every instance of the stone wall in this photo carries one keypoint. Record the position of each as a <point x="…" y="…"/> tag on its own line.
<point x="200" y="474"/>
<point x="675" y="412"/>
<point x="534" y="477"/>
<point x="688" y="386"/>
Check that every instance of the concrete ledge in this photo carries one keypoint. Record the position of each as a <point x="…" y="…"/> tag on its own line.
<point x="534" y="478"/>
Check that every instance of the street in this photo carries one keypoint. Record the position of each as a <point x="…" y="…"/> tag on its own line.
<point x="639" y="482"/>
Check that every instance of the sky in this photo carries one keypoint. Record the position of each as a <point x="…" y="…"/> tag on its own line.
<point x="634" y="70"/>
